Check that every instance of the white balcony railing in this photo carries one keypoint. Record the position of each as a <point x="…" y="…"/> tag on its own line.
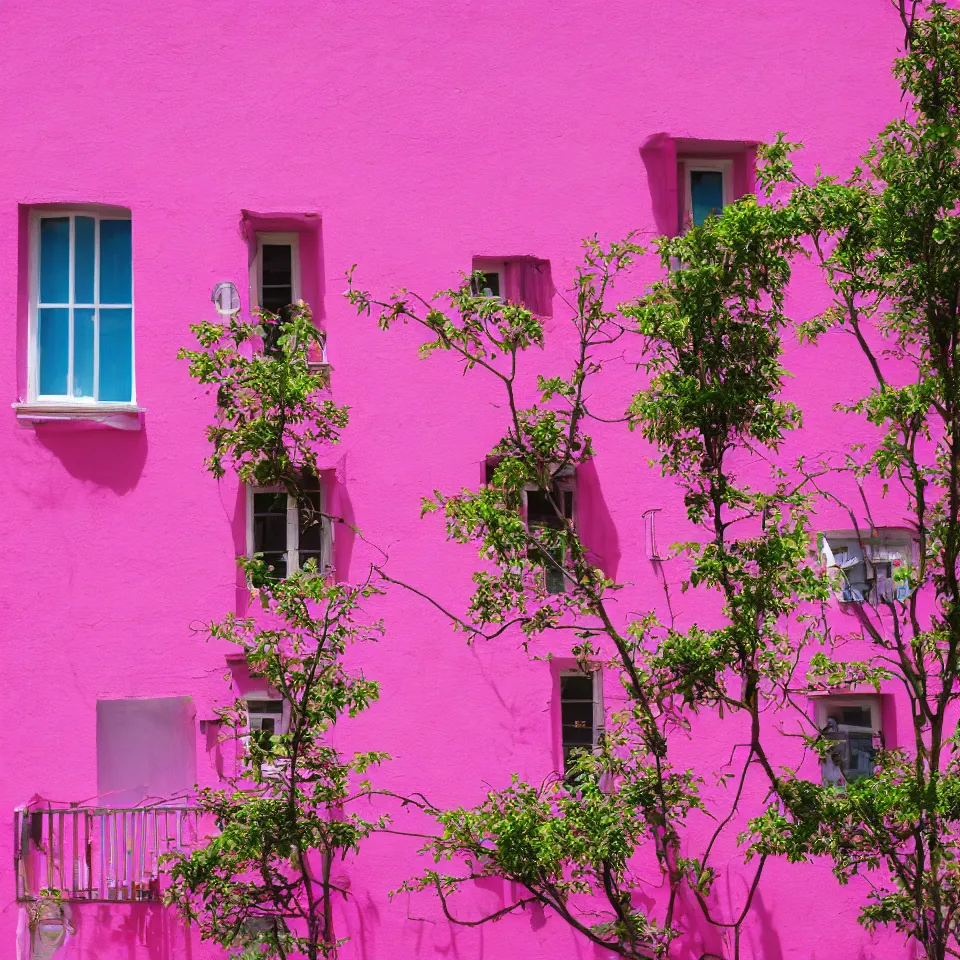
<point x="97" y="853"/>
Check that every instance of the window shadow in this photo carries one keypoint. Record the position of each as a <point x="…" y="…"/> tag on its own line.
<point x="100" y="455"/>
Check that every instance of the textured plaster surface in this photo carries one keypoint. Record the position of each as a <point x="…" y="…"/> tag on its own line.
<point x="424" y="134"/>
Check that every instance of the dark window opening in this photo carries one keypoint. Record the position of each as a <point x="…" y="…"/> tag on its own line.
<point x="276" y="290"/>
<point x="486" y="285"/>
<point x="550" y="512"/>
<point x="577" y="712"/>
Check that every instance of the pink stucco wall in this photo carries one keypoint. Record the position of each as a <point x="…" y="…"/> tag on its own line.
<point x="423" y="134"/>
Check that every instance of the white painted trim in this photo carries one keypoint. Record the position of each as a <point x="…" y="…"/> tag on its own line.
<point x="256" y="268"/>
<point x="292" y="553"/>
<point x="33" y="316"/>
<point x="596" y="674"/>
<point x="121" y="416"/>
<point x="266" y="698"/>
<point x="696" y="164"/>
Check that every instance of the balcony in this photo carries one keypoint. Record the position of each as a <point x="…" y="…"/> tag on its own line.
<point x="97" y="854"/>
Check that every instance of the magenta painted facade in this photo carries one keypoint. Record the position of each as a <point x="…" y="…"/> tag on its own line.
<point x="407" y="137"/>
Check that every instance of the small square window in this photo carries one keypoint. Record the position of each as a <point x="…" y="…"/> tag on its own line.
<point x="81" y="308"/>
<point x="522" y="280"/>
<point x="707" y="186"/>
<point x="492" y="280"/>
<point x="872" y="570"/>
<point x="288" y="533"/>
<point x="581" y="712"/>
<point x="275" y="280"/>
<point x="853" y="725"/>
<point x="266" y="717"/>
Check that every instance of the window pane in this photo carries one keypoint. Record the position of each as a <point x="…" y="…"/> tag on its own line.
<point x="116" y="263"/>
<point x="277" y="265"/>
<point x="277" y="562"/>
<point x="706" y="194"/>
<point x="576" y="688"/>
<point x="55" y="260"/>
<point x="270" y="533"/>
<point x="577" y="714"/>
<point x="488" y="286"/>
<point x="53" y="345"/>
<point x="116" y="354"/>
<point x="83" y="351"/>
<point x="276" y="279"/>
<point x="265" y="706"/>
<point x="578" y="736"/>
<point x="84" y="239"/>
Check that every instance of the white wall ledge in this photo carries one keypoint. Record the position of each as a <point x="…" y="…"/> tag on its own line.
<point x="119" y="416"/>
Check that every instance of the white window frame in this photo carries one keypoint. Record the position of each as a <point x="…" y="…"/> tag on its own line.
<point x="33" y="319"/>
<point x="564" y="484"/>
<point x="898" y="543"/>
<point x="284" y="719"/>
<point x="823" y="704"/>
<point x="691" y="165"/>
<point x="292" y="553"/>
<point x="498" y="267"/>
<point x="596" y="675"/>
<point x="256" y="268"/>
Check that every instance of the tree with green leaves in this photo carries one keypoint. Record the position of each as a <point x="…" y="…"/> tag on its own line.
<point x="263" y="883"/>
<point x="587" y="844"/>
<point x="712" y="333"/>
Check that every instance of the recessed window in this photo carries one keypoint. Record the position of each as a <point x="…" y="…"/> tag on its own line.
<point x="81" y="344"/>
<point x="548" y="512"/>
<point x="492" y="279"/>
<point x="275" y="284"/>
<point x="265" y="718"/>
<point x="873" y="570"/>
<point x="523" y="280"/>
<point x="288" y="534"/>
<point x="581" y="712"/>
<point x="707" y="186"/>
<point x="852" y="724"/>
<point x="551" y="512"/>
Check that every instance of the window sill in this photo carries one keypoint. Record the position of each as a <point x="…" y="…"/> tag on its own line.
<point x="119" y="416"/>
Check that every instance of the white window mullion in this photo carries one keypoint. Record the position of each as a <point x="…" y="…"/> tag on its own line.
<point x="71" y="298"/>
<point x="293" y="534"/>
<point x="96" y="309"/>
<point x="597" y="706"/>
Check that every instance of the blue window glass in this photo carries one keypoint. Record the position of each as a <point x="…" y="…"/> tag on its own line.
<point x="55" y="260"/>
<point x="84" y="234"/>
<point x="116" y="354"/>
<point x="115" y="262"/>
<point x="706" y="194"/>
<point x="84" y="345"/>
<point x="84" y="329"/>
<point x="53" y="347"/>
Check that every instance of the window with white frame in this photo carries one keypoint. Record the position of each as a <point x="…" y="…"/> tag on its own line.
<point x="275" y="278"/>
<point x="492" y="280"/>
<point x="581" y="712"/>
<point x="265" y="718"/>
<point x="707" y="186"/>
<point x="288" y="533"/>
<point x="852" y="723"/>
<point x="868" y="569"/>
<point x="81" y="307"/>
<point x="550" y="513"/>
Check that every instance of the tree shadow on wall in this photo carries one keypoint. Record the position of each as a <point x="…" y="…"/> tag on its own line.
<point x="100" y="455"/>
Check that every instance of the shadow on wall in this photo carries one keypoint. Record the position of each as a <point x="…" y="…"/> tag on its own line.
<point x="108" y="458"/>
<point x="659" y="155"/>
<point x="597" y="528"/>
